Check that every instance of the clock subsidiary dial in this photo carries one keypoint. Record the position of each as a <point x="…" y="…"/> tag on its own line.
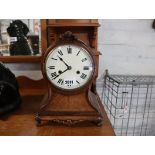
<point x="69" y="66"/>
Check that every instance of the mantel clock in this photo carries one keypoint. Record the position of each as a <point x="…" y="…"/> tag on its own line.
<point x="69" y="67"/>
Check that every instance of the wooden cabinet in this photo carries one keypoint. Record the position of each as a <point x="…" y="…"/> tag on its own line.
<point x="51" y="29"/>
<point x="85" y="29"/>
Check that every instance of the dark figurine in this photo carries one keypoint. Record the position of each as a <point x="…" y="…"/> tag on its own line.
<point x="9" y="92"/>
<point x="18" y="38"/>
<point x="153" y="24"/>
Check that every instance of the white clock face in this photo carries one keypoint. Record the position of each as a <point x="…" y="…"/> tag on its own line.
<point x="69" y="67"/>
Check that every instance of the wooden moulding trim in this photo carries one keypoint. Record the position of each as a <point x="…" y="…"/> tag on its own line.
<point x="16" y="59"/>
<point x="74" y="24"/>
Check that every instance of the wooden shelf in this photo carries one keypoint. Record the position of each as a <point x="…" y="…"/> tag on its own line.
<point x="74" y="25"/>
<point x="16" y="59"/>
<point x="72" y="22"/>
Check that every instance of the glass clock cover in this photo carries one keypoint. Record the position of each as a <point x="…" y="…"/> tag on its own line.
<point x="69" y="66"/>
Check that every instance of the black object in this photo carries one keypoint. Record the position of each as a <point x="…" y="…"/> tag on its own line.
<point x="153" y="24"/>
<point x="18" y="38"/>
<point x="9" y="91"/>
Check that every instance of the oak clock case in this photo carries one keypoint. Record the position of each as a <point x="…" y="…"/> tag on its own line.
<point x="69" y="68"/>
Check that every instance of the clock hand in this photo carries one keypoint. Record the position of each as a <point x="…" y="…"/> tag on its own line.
<point x="68" y="68"/>
<point x="63" y="61"/>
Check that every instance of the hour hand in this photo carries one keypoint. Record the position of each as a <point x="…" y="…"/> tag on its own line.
<point x="62" y="61"/>
<point x="60" y="73"/>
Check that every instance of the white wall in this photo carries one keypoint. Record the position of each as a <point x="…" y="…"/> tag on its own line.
<point x="127" y="46"/>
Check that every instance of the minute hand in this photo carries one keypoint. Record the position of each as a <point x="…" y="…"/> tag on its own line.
<point x="63" y="61"/>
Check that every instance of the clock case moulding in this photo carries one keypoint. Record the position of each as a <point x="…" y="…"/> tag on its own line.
<point x="81" y="106"/>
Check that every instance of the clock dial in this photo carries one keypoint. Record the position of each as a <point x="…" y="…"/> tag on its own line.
<point x="69" y="66"/>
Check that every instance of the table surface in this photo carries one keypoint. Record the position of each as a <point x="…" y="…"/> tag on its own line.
<point x="22" y="122"/>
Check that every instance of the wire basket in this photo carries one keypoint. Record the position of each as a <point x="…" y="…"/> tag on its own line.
<point x="130" y="103"/>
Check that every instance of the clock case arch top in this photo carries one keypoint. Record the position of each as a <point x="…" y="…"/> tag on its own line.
<point x="69" y="39"/>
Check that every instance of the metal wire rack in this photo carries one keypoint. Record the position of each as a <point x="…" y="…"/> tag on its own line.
<point x="130" y="103"/>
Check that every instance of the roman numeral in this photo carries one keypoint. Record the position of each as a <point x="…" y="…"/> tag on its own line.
<point x="83" y="76"/>
<point x="77" y="53"/>
<point x="84" y="59"/>
<point x="54" y="74"/>
<point x="69" y="50"/>
<point x="60" y="81"/>
<point x="60" y="52"/>
<point x="86" y="68"/>
<point x="54" y="59"/>
<point x="51" y="67"/>
<point x="77" y="82"/>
